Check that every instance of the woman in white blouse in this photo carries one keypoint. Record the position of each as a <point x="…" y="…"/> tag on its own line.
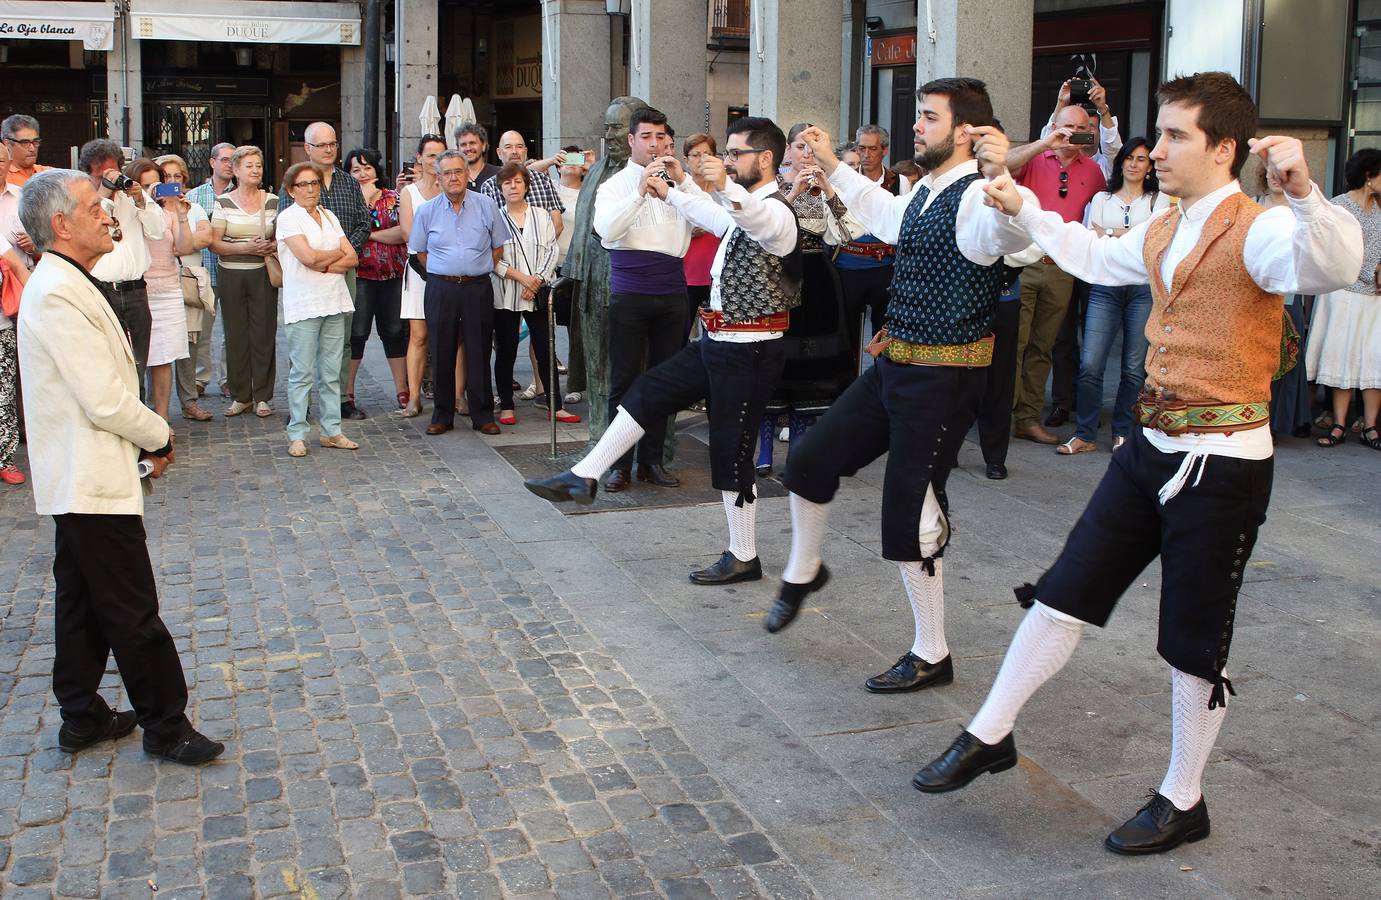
<point x="527" y="266"/>
<point x="1132" y="197"/>
<point x="315" y="255"/>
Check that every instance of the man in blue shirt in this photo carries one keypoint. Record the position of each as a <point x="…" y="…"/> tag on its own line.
<point x="458" y="235"/>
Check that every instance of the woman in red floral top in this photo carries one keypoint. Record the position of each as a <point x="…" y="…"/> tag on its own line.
<point x="379" y="295"/>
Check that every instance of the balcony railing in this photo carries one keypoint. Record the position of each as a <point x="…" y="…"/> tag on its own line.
<point x="730" y="19"/>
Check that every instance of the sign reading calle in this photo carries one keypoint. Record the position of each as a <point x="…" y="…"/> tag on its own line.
<point x="90" y="23"/>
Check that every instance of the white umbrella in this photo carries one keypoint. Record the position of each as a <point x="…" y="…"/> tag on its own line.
<point x="430" y="116"/>
<point x="453" y="120"/>
<point x="467" y="111"/>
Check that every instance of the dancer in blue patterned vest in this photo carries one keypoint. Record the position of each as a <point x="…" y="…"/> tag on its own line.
<point x="922" y="395"/>
<point x="755" y="282"/>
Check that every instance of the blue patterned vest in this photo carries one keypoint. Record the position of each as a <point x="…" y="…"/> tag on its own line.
<point x="937" y="295"/>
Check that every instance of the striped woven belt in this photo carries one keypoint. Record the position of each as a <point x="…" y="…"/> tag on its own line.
<point x="1165" y="412"/>
<point x="714" y="321"/>
<point x="976" y="355"/>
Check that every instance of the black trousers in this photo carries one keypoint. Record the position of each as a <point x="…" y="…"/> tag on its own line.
<point x="995" y="412"/>
<point x="737" y="380"/>
<point x="1203" y="536"/>
<point x="379" y="304"/>
<point x="645" y="330"/>
<point x="865" y="290"/>
<point x="106" y="602"/>
<point x="697" y="295"/>
<point x="131" y="307"/>
<point x="918" y="416"/>
<point x="506" y="327"/>
<point x="1064" y="356"/>
<point x="460" y="314"/>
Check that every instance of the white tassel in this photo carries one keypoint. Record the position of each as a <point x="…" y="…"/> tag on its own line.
<point x="1172" y="488"/>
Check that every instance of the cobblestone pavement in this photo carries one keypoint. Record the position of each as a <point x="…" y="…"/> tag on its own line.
<point x="408" y="707"/>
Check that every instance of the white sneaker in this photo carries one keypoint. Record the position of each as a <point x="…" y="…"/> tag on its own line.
<point x="784" y="436"/>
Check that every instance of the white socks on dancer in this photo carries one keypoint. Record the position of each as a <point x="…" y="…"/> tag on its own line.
<point x="743" y="527"/>
<point x="807" y="535"/>
<point x="927" y="596"/>
<point x="618" y="438"/>
<point x="1196" y="731"/>
<point x="1041" y="646"/>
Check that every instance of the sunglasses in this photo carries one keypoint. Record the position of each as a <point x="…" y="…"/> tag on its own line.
<point x="1064" y="185"/>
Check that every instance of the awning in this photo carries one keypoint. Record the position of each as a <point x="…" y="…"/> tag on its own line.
<point x="91" y="23"/>
<point x="245" y="22"/>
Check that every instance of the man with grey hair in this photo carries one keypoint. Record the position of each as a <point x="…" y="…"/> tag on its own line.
<point x="342" y="196"/>
<point x="137" y="221"/>
<point x="90" y="440"/>
<point x="20" y="134"/>
<point x="473" y="143"/>
<point x="195" y="371"/>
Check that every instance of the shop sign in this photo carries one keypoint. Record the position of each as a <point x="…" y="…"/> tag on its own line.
<point x="90" y="23"/>
<point x="245" y="22"/>
<point x="518" y="58"/>
<point x="894" y="50"/>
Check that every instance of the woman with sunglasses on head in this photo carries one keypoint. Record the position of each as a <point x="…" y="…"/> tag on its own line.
<point x="1132" y="197"/>
<point x="379" y="289"/>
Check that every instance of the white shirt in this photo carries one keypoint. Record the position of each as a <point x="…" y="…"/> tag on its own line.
<point x="10" y="226"/>
<point x="1307" y="247"/>
<point x="569" y="197"/>
<point x="1108" y="147"/>
<point x="768" y="223"/>
<point x="981" y="238"/>
<point x="626" y="219"/>
<point x="530" y="249"/>
<point x="130" y="258"/>
<point x="308" y="294"/>
<point x="1107" y="210"/>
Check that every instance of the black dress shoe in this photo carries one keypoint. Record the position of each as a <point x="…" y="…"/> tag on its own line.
<point x="620" y="480"/>
<point x="117" y="726"/>
<point x="349" y="410"/>
<point x="564" y="487"/>
<point x="1058" y="416"/>
<point x="790" y="598"/>
<point x="965" y="760"/>
<point x="911" y="673"/>
<point x="656" y="473"/>
<point x="192" y="750"/>
<point x="729" y="570"/>
<point x="996" y="471"/>
<point x="1159" y="827"/>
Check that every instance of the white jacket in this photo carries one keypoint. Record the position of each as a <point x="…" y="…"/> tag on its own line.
<point x="81" y="396"/>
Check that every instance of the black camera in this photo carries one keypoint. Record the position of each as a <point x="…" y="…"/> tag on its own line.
<point x="1084" y="138"/>
<point x="119" y="183"/>
<point x="1079" y="93"/>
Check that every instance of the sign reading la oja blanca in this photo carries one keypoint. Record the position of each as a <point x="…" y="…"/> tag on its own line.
<point x="90" y="23"/>
<point x="243" y="29"/>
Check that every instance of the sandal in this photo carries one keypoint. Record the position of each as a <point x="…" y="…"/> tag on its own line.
<point x="1076" y="445"/>
<point x="1357" y="425"/>
<point x="528" y="392"/>
<point x="403" y="397"/>
<point x="1374" y="442"/>
<point x="1336" y="435"/>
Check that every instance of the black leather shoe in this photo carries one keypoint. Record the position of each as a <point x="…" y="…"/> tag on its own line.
<point x="911" y="673"/>
<point x="656" y="473"/>
<point x="192" y="750"/>
<point x="1159" y="827"/>
<point x="790" y="598"/>
<point x="620" y="480"/>
<point x="1058" y="416"/>
<point x="564" y="487"/>
<point x="117" y="726"/>
<point x="729" y="570"/>
<point x="965" y="760"/>
<point x="350" y="410"/>
<point x="996" y="471"/>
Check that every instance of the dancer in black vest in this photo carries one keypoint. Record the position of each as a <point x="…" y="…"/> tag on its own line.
<point x="755" y="282"/>
<point x="922" y="395"/>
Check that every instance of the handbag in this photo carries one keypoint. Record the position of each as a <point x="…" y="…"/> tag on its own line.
<point x="563" y="295"/>
<point x="271" y="263"/>
<point x="1289" y="348"/>
<point x="196" y="288"/>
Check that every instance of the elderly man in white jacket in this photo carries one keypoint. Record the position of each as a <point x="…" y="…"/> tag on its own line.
<point x="88" y="435"/>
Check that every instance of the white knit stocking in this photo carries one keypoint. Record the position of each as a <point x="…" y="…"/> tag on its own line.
<point x="1195" y="732"/>
<point x="743" y="527"/>
<point x="621" y="435"/>
<point x="1041" y="646"/>
<point x="807" y="535"/>
<point x="927" y="596"/>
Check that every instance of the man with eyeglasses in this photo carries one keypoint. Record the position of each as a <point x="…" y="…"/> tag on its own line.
<point x="204" y="195"/>
<point x="755" y="282"/>
<point x="342" y="196"/>
<point x="1064" y="179"/>
<point x="21" y="137"/>
<point x="647" y="239"/>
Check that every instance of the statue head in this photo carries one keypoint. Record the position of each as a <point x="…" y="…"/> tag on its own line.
<point x="616" y="120"/>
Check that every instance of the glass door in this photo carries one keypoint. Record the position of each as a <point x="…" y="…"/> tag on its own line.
<point x="1364" y="126"/>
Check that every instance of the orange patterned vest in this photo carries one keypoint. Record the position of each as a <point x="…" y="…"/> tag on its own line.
<point x="1214" y="334"/>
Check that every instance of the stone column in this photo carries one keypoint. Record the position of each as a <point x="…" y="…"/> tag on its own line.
<point x="667" y="66"/>
<point x="352" y="104"/>
<point x="575" y="34"/>
<point x="125" y="56"/>
<point x="991" y="41"/>
<point x="417" y="70"/>
<point x="795" y="63"/>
